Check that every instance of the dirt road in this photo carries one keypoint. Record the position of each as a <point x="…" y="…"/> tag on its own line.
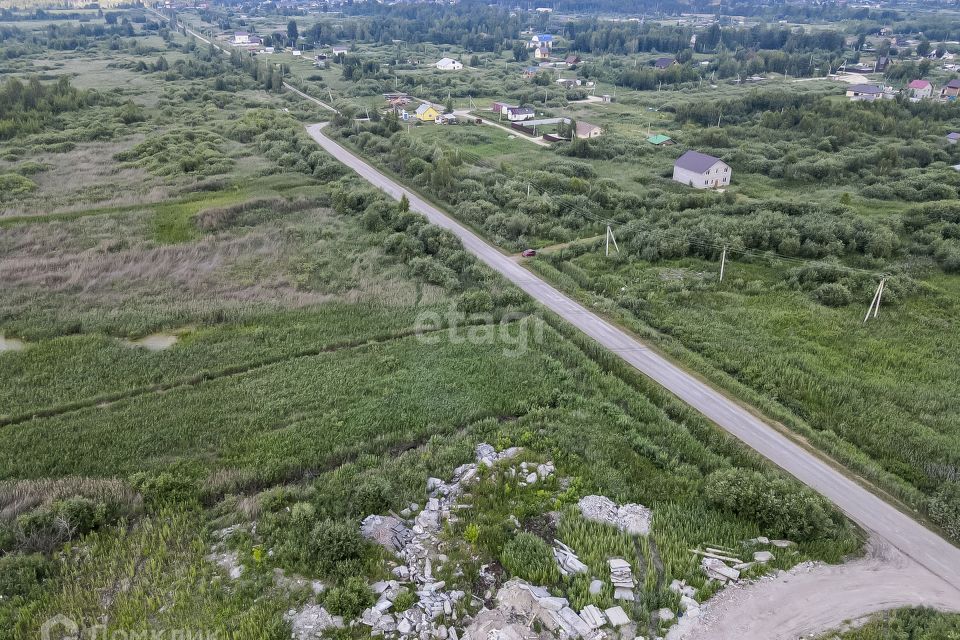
<point x="809" y="600"/>
<point x="926" y="565"/>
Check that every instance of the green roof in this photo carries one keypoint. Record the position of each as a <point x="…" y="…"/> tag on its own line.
<point x="658" y="139"/>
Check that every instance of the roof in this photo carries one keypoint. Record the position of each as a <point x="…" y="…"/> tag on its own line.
<point x="572" y="59"/>
<point x="446" y="61"/>
<point x="585" y="128"/>
<point x="663" y="63"/>
<point x="918" y="84"/>
<point x="531" y="69"/>
<point x="544" y="37"/>
<point x="954" y="84"/>
<point x="953" y="135"/>
<point x="865" y="88"/>
<point x="423" y="108"/>
<point x="520" y="110"/>
<point x="696" y="161"/>
<point x="658" y="139"/>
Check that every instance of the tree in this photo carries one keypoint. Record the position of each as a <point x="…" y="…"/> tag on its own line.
<point x="520" y="52"/>
<point x="292" y="33"/>
<point x="923" y="49"/>
<point x="474" y="60"/>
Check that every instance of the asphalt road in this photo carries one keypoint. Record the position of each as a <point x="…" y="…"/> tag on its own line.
<point x="898" y="530"/>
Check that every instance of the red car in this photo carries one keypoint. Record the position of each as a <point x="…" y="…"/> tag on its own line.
<point x="529" y="253"/>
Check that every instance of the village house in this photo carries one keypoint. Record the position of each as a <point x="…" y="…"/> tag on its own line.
<point x="426" y="113"/>
<point x="951" y="90"/>
<point x="542" y="53"/>
<point x="664" y="63"/>
<point x="541" y="40"/>
<point x="881" y="64"/>
<point x="519" y="114"/>
<point x="529" y="72"/>
<point x="701" y="171"/>
<point x="571" y="60"/>
<point x="587" y="130"/>
<point x="339" y="51"/>
<point x="920" y="89"/>
<point x="952" y="137"/>
<point x="865" y="92"/>
<point x="241" y="38"/>
<point x="449" y="64"/>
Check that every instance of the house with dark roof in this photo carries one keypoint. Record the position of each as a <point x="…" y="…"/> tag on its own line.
<point x="881" y="64"/>
<point x="519" y="114"/>
<point x="542" y="53"/>
<point x="952" y="137"/>
<point x="866" y="92"/>
<point x="951" y="90"/>
<point x="664" y="63"/>
<point x="571" y="60"/>
<point x="587" y="130"/>
<point x="701" y="171"/>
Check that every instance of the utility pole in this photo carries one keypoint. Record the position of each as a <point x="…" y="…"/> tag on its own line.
<point x="875" y="305"/>
<point x="609" y="238"/>
<point x="723" y="262"/>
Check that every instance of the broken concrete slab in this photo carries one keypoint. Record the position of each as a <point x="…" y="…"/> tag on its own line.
<point x="762" y="556"/>
<point x="633" y="519"/>
<point x="618" y="617"/>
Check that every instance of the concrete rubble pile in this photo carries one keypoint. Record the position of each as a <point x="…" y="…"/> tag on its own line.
<point x="417" y="544"/>
<point x="621" y="575"/>
<point x="567" y="560"/>
<point x="631" y="518"/>
<point x="311" y="621"/>
<point x="521" y="605"/>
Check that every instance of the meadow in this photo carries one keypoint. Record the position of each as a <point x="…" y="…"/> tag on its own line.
<point x="295" y="376"/>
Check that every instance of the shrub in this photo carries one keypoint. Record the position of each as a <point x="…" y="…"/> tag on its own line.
<point x="944" y="509"/>
<point x="334" y="545"/>
<point x="779" y="506"/>
<point x="530" y="558"/>
<point x="13" y="185"/>
<point x="164" y="489"/>
<point x="832" y="294"/>
<point x="21" y="575"/>
<point x="350" y="598"/>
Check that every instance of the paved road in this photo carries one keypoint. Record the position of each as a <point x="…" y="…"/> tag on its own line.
<point x="922" y="546"/>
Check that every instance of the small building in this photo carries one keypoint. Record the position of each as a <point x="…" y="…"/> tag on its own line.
<point x="519" y="114"/>
<point x="881" y="64"/>
<point x="951" y="90"/>
<point x="447" y="118"/>
<point x="587" y="130"/>
<point x="426" y="113"/>
<point x="569" y="83"/>
<point x="571" y="60"/>
<point x="664" y="63"/>
<point x="449" y="64"/>
<point x="607" y="98"/>
<point x="529" y="72"/>
<point x="701" y="171"/>
<point x="541" y="40"/>
<point x="865" y="92"/>
<point x="339" y="52"/>
<point x="952" y="137"/>
<point x="500" y="107"/>
<point x="542" y="53"/>
<point x="241" y="38"/>
<point x="920" y="89"/>
<point x="660" y="139"/>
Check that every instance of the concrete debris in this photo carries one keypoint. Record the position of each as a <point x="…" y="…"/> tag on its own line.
<point x="681" y="587"/>
<point x="621" y="575"/>
<point x="782" y="544"/>
<point x="229" y="561"/>
<point x="759" y="540"/>
<point x="311" y="622"/>
<point x="718" y="570"/>
<point x="386" y="531"/>
<point x="633" y="519"/>
<point x="617" y="616"/>
<point x="762" y="556"/>
<point x="593" y="616"/>
<point x="596" y="586"/>
<point x="568" y="561"/>
<point x="665" y="615"/>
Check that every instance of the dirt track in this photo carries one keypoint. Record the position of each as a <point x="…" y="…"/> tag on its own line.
<point x="811" y="599"/>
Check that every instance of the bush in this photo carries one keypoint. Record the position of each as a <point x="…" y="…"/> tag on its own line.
<point x="780" y="507"/>
<point x="164" y="489"/>
<point x="50" y="526"/>
<point x="350" y="598"/>
<point x="13" y="185"/>
<point x="530" y="558"/>
<point x="944" y="509"/>
<point x="833" y="294"/>
<point x="21" y="575"/>
<point x="335" y="545"/>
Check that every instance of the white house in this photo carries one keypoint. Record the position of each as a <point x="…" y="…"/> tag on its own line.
<point x="241" y="37"/>
<point x="920" y="89"/>
<point x="541" y="40"/>
<point x="449" y="64"/>
<point x="519" y="114"/>
<point x="587" y="130"/>
<point x="701" y="171"/>
<point x="865" y="92"/>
